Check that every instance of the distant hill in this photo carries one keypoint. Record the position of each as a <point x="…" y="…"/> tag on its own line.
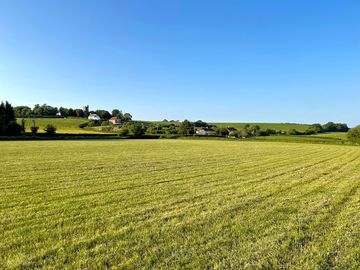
<point x="276" y="126"/>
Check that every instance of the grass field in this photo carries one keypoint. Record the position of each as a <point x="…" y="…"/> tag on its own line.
<point x="339" y="139"/>
<point x="336" y="135"/>
<point x="63" y="125"/>
<point x="175" y="204"/>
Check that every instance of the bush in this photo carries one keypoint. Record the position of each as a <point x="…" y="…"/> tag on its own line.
<point x="234" y="134"/>
<point x="93" y="123"/>
<point x="354" y="133"/>
<point x="34" y="130"/>
<point x="106" y="129"/>
<point x="137" y="129"/>
<point x="84" y="125"/>
<point x="267" y="132"/>
<point x="105" y="123"/>
<point x="292" y="132"/>
<point x="50" y="129"/>
<point x="124" y="131"/>
<point x="222" y="131"/>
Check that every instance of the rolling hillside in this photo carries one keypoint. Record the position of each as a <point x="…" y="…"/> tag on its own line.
<point x="63" y="125"/>
<point x="275" y="126"/>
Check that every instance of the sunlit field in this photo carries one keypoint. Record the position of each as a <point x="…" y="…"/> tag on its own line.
<point x="171" y="204"/>
<point x="63" y="125"/>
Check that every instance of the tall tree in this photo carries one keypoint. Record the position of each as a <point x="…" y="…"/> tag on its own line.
<point x="186" y="128"/>
<point x="8" y="125"/>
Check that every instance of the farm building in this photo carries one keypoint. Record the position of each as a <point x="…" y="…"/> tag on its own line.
<point x="115" y="121"/>
<point x="205" y="131"/>
<point x="94" y="116"/>
<point x="231" y="129"/>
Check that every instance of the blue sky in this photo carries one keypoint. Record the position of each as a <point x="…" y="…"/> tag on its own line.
<point x="239" y="61"/>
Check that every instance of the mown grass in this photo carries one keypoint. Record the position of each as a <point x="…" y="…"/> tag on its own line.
<point x="175" y="204"/>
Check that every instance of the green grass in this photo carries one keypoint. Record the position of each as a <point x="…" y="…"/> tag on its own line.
<point x="302" y="139"/>
<point x="275" y="126"/>
<point x="63" y="125"/>
<point x="179" y="204"/>
<point x="336" y="135"/>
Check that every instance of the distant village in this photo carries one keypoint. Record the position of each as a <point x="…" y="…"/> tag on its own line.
<point x="122" y="123"/>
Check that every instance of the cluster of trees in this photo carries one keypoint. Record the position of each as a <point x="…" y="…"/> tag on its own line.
<point x="328" y="127"/>
<point x="124" y="117"/>
<point x="38" y="110"/>
<point x="70" y="112"/>
<point x="132" y="128"/>
<point x="48" y="111"/>
<point x="9" y="125"/>
<point x="248" y="131"/>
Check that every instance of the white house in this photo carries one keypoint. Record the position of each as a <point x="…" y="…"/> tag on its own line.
<point x="205" y="131"/>
<point x="94" y="116"/>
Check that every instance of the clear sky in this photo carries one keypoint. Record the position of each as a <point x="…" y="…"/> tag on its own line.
<point x="215" y="60"/>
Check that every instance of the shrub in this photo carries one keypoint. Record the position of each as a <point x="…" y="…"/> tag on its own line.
<point x="84" y="125"/>
<point x="233" y="134"/>
<point x="354" y="133"/>
<point x="50" y="129"/>
<point x="293" y="132"/>
<point x="222" y="131"/>
<point x="267" y="132"/>
<point x="34" y="130"/>
<point x="106" y="129"/>
<point x="137" y="129"/>
<point x="124" y="131"/>
<point x="105" y="123"/>
<point x="93" y="123"/>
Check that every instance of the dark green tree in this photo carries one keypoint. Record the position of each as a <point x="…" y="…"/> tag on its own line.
<point x="79" y="113"/>
<point x="103" y="114"/>
<point x="8" y="124"/>
<point x="127" y="117"/>
<point x="115" y="112"/>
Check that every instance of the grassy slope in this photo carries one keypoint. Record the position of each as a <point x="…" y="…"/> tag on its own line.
<point x="63" y="125"/>
<point x="336" y="135"/>
<point x="168" y="204"/>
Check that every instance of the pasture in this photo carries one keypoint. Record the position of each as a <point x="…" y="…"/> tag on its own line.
<point x="63" y="125"/>
<point x="175" y="204"/>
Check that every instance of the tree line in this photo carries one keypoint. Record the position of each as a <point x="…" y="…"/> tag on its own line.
<point x="50" y="111"/>
<point x="9" y="125"/>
